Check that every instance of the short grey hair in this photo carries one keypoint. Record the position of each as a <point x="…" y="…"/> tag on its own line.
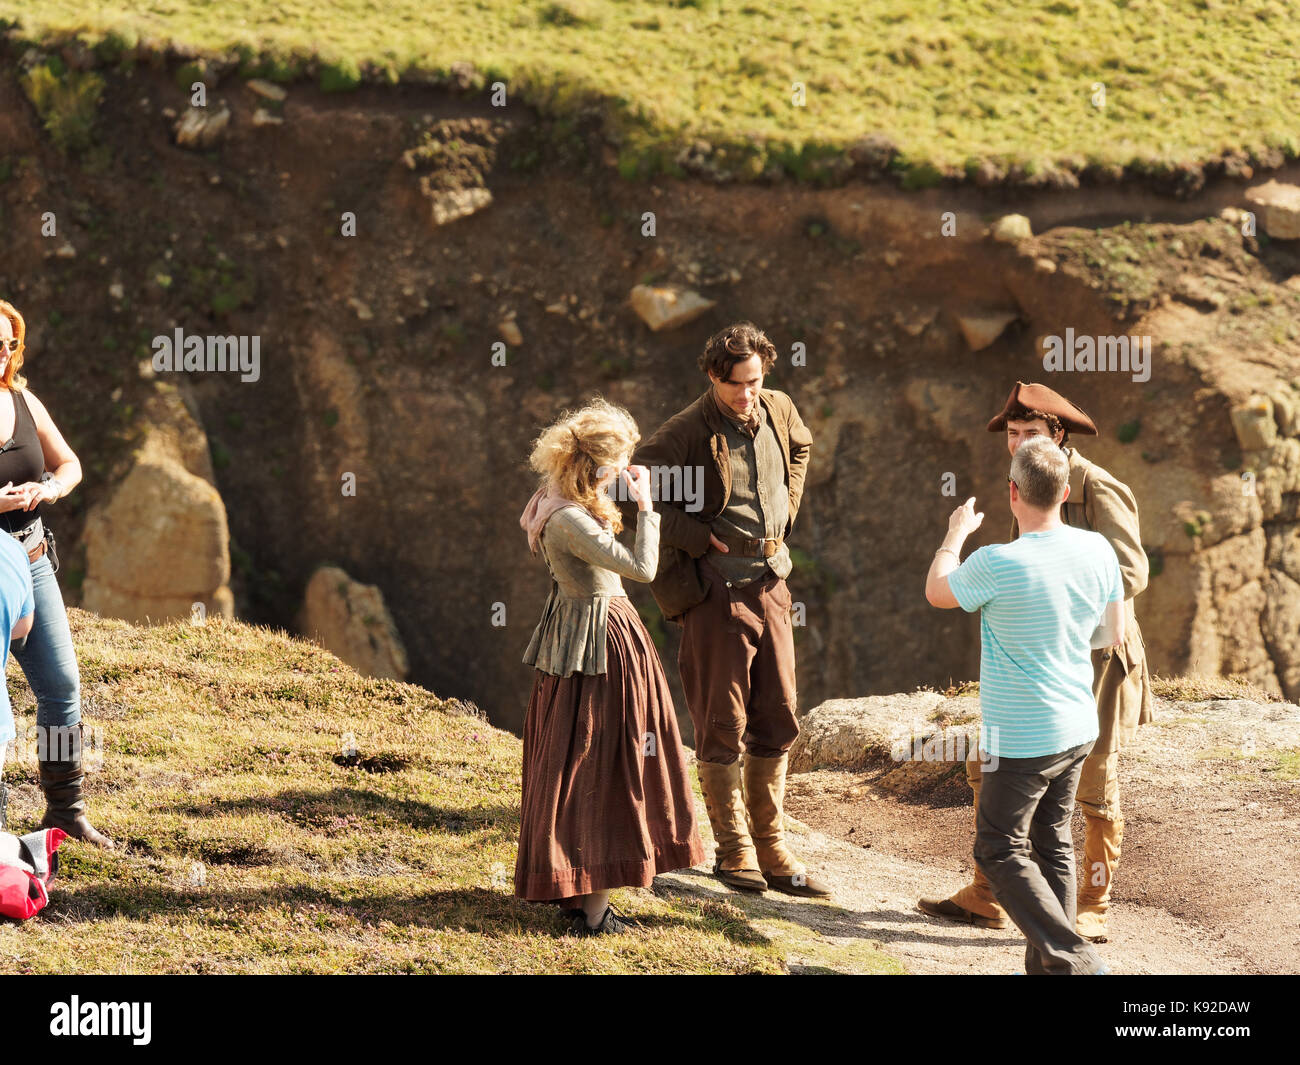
<point x="1040" y="470"/>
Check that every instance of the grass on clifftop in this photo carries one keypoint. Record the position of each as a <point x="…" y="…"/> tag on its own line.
<point x="950" y="84"/>
<point x="245" y="847"/>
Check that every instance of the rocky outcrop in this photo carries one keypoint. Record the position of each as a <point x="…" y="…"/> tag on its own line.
<point x="159" y="547"/>
<point x="350" y="619"/>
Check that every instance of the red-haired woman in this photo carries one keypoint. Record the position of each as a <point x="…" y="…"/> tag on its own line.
<point x="37" y="468"/>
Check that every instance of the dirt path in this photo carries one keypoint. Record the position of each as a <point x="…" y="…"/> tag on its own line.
<point x="1207" y="881"/>
<point x="874" y="909"/>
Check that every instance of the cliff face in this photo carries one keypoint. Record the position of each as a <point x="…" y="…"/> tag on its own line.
<point x="382" y="243"/>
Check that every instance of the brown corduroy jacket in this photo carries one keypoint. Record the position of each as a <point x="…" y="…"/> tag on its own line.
<point x="694" y="437"/>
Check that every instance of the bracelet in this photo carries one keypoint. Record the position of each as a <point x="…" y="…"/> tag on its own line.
<point x="950" y="551"/>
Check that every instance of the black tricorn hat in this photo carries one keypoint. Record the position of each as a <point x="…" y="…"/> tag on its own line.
<point x="1042" y="398"/>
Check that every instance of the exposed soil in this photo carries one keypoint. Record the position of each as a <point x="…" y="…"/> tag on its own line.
<point x="1217" y="856"/>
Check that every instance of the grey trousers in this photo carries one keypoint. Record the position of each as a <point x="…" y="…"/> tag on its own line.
<point x="1023" y="846"/>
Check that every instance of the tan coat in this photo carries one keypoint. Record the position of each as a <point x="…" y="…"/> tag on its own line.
<point x="1121" y="682"/>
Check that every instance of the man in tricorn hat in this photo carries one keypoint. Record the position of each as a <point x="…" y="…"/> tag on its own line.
<point x="1099" y="502"/>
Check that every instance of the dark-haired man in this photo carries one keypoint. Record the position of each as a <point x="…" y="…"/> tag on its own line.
<point x="1121" y="683"/>
<point x="722" y="577"/>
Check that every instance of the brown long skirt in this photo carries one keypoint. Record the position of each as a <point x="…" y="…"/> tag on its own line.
<point x="607" y="801"/>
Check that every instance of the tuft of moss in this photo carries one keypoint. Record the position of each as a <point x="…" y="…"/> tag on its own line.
<point x="66" y="101"/>
<point x="341" y="76"/>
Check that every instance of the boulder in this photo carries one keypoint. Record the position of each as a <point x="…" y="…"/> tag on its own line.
<point x="980" y="330"/>
<point x="351" y="620"/>
<point x="158" y="546"/>
<point x="668" y="306"/>
<point x="1279" y="208"/>
<point x="1254" y="425"/>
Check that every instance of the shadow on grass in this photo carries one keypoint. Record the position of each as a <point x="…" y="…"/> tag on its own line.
<point x="315" y="808"/>
<point x="483" y="911"/>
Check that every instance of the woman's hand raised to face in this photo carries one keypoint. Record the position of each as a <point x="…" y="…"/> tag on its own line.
<point x="638" y="486"/>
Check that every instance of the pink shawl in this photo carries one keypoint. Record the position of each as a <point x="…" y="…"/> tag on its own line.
<point x="545" y="502"/>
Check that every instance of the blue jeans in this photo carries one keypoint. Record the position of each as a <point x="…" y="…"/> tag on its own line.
<point x="49" y="661"/>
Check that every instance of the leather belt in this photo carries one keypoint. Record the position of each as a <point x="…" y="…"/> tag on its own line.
<point x="25" y="536"/>
<point x="752" y="547"/>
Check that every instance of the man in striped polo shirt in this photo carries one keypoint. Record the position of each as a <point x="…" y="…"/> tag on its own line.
<point x="1045" y="600"/>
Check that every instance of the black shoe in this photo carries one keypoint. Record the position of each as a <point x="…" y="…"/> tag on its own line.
<point x="611" y="922"/>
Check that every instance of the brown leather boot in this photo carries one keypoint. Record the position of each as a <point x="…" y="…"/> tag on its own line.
<point x="736" y="864"/>
<point x="764" y="798"/>
<point x="65" y="805"/>
<point x="1101" y="840"/>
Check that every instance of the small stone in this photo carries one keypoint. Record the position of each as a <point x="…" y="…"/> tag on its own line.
<point x="1045" y="266"/>
<point x="458" y="203"/>
<point x="66" y="251"/>
<point x="266" y="89"/>
<point x="510" y="333"/>
<point x="362" y="308"/>
<point x="668" y="306"/>
<point x="116" y="290"/>
<point x="263" y="117"/>
<point x="1011" y="228"/>
<point x="202" y="127"/>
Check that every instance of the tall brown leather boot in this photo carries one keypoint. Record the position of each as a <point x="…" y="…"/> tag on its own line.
<point x="65" y="805"/>
<point x="736" y="864"/>
<point x="975" y="903"/>
<point x="1101" y="840"/>
<point x="764" y="798"/>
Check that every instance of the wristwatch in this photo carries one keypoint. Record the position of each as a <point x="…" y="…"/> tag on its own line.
<point x="49" y="478"/>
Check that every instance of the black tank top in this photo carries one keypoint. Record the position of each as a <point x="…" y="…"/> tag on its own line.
<point x="21" y="460"/>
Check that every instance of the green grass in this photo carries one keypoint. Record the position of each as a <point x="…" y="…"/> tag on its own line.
<point x="951" y="84"/>
<point x="245" y="847"/>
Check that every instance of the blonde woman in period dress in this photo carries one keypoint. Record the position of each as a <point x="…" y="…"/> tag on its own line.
<point x="607" y="800"/>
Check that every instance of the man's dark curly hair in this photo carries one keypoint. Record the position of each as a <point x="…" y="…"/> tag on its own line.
<point x="1021" y="413"/>
<point x="735" y="344"/>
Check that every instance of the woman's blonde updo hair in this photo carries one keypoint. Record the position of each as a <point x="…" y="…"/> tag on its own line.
<point x="570" y="453"/>
<point x="11" y="378"/>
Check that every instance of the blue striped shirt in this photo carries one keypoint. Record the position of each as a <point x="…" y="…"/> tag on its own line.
<point x="1040" y="598"/>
